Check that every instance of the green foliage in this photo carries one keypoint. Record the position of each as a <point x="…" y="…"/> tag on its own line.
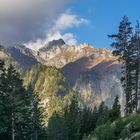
<point x="57" y="128"/>
<point x="51" y="87"/>
<point x="123" y="128"/>
<point x="125" y="133"/>
<point x="67" y="121"/>
<point x="19" y="111"/>
<point x="57" y="104"/>
<point x="103" y="114"/>
<point x="104" y="132"/>
<point x="137" y="137"/>
<point x="127" y="48"/>
<point x="88" y="121"/>
<point x="115" y="112"/>
<point x="118" y="127"/>
<point x="122" y="49"/>
<point x="72" y="119"/>
<point x="47" y="81"/>
<point x="134" y="123"/>
<point x="24" y="116"/>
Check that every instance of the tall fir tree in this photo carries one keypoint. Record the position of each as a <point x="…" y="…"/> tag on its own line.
<point x="102" y="114"/>
<point x="72" y="119"/>
<point x="57" y="128"/>
<point x="3" y="116"/>
<point x="122" y="45"/>
<point x="20" y="115"/>
<point x="115" y="112"/>
<point x="88" y="121"/>
<point x="136" y="67"/>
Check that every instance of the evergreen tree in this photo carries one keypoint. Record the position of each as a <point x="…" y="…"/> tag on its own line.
<point x="72" y="119"/>
<point x="115" y="112"/>
<point x="102" y="114"/>
<point x="33" y="117"/>
<point x="39" y="130"/>
<point x="3" y="116"/>
<point x="57" y="129"/>
<point x="123" y="48"/>
<point x="88" y="121"/>
<point x="12" y="102"/>
<point x="20" y="116"/>
<point x="136" y="67"/>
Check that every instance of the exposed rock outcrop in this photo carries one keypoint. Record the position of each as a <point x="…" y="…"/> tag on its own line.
<point x="93" y="72"/>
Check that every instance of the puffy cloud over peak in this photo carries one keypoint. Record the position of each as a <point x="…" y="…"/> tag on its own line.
<point x="64" y="21"/>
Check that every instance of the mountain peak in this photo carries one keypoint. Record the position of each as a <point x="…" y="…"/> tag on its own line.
<point x="57" y="42"/>
<point x="49" y="45"/>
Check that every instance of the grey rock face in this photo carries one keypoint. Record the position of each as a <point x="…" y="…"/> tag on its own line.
<point x="93" y="73"/>
<point x="24" y="56"/>
<point x="97" y="85"/>
<point x="60" y="55"/>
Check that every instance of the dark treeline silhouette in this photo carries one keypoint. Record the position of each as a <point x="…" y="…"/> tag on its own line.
<point x="127" y="49"/>
<point x="20" y="116"/>
<point x="75" y="123"/>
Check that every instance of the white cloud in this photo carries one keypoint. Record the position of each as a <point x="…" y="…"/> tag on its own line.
<point x="65" y="21"/>
<point x="25" y="20"/>
<point x="70" y="39"/>
<point x="41" y="42"/>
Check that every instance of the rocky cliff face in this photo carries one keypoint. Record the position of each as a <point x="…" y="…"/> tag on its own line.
<point x="96" y="77"/>
<point x="101" y="83"/>
<point x="62" y="54"/>
<point x="8" y="59"/>
<point x="93" y="73"/>
<point x="24" y="56"/>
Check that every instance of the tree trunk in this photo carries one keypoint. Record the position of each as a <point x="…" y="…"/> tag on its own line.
<point x="13" y="129"/>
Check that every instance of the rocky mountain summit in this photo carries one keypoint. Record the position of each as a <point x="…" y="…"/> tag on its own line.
<point x="94" y="73"/>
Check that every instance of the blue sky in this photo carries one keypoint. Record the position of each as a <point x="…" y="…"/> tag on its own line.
<point x="104" y="17"/>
